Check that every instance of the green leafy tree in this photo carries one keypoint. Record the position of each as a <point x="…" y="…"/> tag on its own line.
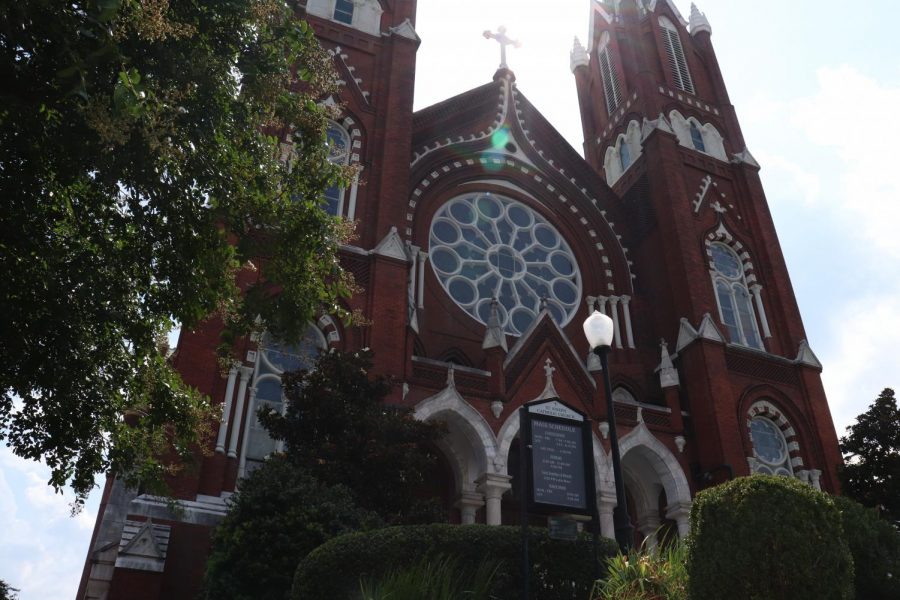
<point x="141" y="171"/>
<point x="338" y="427"/>
<point x="351" y="462"/>
<point x="279" y="515"/>
<point x="875" y="546"/>
<point x="871" y="471"/>
<point x="6" y="592"/>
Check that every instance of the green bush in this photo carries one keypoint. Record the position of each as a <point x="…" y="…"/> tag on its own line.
<point x="439" y="578"/>
<point x="875" y="546"/>
<point x="560" y="570"/>
<point x="767" y="538"/>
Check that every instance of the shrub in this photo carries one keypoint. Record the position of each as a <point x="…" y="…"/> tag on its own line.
<point x="875" y="546"/>
<point x="560" y="570"/>
<point x="767" y="538"/>
<point x="435" y="579"/>
<point x="645" y="575"/>
<point x="276" y="518"/>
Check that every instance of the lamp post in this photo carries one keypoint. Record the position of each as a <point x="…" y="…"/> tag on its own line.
<point x="598" y="329"/>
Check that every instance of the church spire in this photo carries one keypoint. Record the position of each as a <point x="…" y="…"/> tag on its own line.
<point x="698" y="21"/>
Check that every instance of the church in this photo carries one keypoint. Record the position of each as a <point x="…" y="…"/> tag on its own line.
<point x="484" y="241"/>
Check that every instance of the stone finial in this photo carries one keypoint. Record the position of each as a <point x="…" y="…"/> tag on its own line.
<point x="451" y="379"/>
<point x="579" y="56"/>
<point x="698" y="21"/>
<point x="668" y="375"/>
<point x="493" y="335"/>
<point x="549" y="390"/>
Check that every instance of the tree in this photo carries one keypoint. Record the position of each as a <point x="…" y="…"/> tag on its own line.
<point x="338" y="427"/>
<point x="278" y="516"/>
<point x="141" y="171"/>
<point x="351" y="462"/>
<point x="871" y="470"/>
<point x="6" y="592"/>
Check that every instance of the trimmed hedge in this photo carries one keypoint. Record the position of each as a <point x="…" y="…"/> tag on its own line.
<point x="875" y="546"/>
<point x="560" y="570"/>
<point x="767" y="538"/>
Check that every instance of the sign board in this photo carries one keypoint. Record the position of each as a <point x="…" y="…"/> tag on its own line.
<point x="561" y="528"/>
<point x="559" y="459"/>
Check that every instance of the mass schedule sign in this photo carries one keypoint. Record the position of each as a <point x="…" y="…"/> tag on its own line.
<point x="559" y="458"/>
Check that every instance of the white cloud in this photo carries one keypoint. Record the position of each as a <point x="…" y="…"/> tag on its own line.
<point x="796" y="181"/>
<point x="863" y="358"/>
<point x="854" y="115"/>
<point x="43" y="548"/>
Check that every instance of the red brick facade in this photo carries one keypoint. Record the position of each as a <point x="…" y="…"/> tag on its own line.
<point x="643" y="247"/>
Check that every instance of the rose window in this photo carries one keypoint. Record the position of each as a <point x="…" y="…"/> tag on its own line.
<point x="769" y="447"/>
<point x="485" y="246"/>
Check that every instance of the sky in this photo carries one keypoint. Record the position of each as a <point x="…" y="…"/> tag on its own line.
<point x="815" y="85"/>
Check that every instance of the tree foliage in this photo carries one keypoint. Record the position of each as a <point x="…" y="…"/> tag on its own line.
<point x="767" y="537"/>
<point x="350" y="463"/>
<point x="278" y="516"/>
<point x="875" y="546"/>
<point x="140" y="170"/>
<point x="338" y="427"/>
<point x="871" y="472"/>
<point x="6" y="592"/>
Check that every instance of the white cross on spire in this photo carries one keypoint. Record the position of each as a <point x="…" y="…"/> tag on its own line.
<point x="504" y="41"/>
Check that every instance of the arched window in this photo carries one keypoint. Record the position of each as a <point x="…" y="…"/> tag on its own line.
<point x="769" y="448"/>
<point x="624" y="154"/>
<point x="273" y="360"/>
<point x="675" y="53"/>
<point x="611" y="88"/>
<point x="338" y="153"/>
<point x="697" y="138"/>
<point x="343" y="11"/>
<point x="735" y="307"/>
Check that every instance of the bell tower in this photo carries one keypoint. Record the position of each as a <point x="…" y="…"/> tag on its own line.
<point x="660" y="129"/>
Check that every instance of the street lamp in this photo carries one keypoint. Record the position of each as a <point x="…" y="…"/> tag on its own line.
<point x="598" y="329"/>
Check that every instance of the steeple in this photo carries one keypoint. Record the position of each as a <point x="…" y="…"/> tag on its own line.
<point x="645" y="60"/>
<point x="698" y="21"/>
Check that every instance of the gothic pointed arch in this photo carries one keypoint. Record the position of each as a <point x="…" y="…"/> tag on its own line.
<point x="775" y="434"/>
<point x="697" y="135"/>
<point x="654" y="465"/>
<point x="741" y="309"/>
<point x="470" y="444"/>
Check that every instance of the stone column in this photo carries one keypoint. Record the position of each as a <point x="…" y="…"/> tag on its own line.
<point x="629" y="334"/>
<point x="606" y="503"/>
<point x="251" y="414"/>
<point x="648" y="525"/>
<point x="814" y="477"/>
<point x="226" y="409"/>
<point x="680" y="512"/>
<point x="468" y="504"/>
<point x="614" y="309"/>
<point x="755" y="289"/>
<point x="246" y="372"/>
<point x="493" y="486"/>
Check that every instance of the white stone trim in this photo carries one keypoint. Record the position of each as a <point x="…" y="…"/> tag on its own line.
<point x="664" y="463"/>
<point x="448" y="405"/>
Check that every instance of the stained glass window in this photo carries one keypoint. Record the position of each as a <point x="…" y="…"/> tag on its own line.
<point x="485" y="246"/>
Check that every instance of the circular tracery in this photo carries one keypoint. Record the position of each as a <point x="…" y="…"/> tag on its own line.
<point x="770" y="447"/>
<point x="485" y="246"/>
